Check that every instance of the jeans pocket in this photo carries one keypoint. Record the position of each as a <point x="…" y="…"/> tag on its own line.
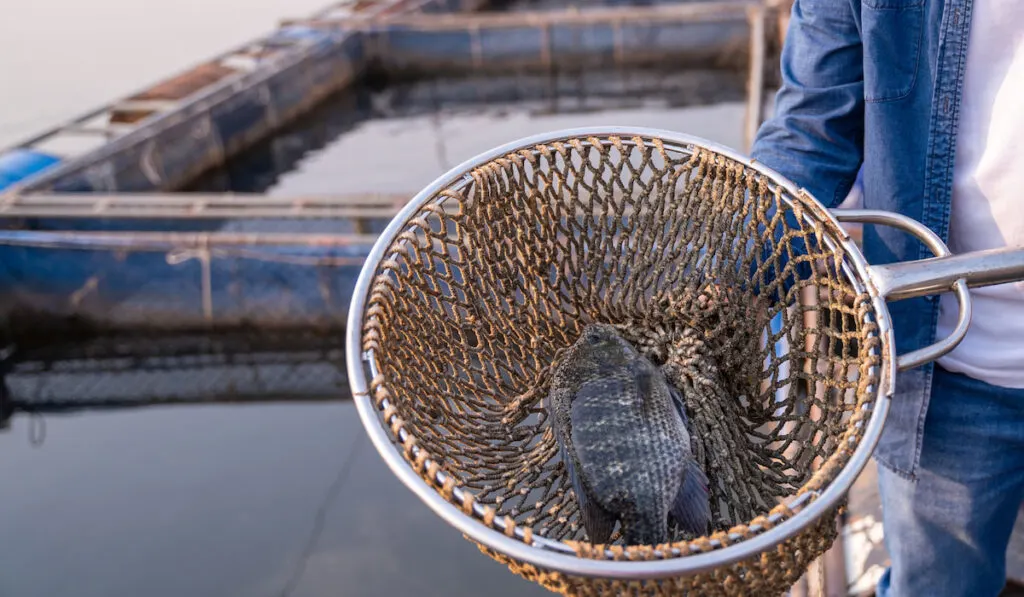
<point x="891" y="32"/>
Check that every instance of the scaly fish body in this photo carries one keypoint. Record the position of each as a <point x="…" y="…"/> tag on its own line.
<point x="623" y="436"/>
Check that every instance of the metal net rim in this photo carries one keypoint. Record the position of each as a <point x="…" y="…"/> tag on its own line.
<point x="458" y="505"/>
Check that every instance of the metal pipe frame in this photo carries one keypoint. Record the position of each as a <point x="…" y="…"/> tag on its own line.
<point x="199" y="206"/>
<point x="175" y="241"/>
<point x="713" y="10"/>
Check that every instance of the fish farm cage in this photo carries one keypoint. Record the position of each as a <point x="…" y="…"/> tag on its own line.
<point x="123" y="318"/>
<point x="117" y="274"/>
<point x="128" y="280"/>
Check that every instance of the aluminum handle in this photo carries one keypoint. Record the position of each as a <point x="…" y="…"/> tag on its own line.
<point x="937" y="274"/>
<point x="924" y="277"/>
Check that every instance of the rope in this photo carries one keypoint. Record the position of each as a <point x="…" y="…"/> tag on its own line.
<point x="691" y="256"/>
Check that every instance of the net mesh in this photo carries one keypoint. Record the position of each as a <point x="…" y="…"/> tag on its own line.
<point x="708" y="267"/>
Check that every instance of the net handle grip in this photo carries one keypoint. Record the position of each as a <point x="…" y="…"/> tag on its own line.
<point x="943" y="273"/>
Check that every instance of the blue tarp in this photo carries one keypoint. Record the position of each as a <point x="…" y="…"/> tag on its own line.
<point x="19" y="164"/>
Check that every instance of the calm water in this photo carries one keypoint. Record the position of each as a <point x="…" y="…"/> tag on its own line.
<point x="285" y="499"/>
<point x="400" y="138"/>
<point x="262" y="500"/>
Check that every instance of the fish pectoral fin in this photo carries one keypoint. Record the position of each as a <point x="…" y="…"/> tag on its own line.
<point x="597" y="521"/>
<point x="692" y="506"/>
<point x="679" y="403"/>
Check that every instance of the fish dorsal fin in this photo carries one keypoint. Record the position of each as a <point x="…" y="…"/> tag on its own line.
<point x="651" y="385"/>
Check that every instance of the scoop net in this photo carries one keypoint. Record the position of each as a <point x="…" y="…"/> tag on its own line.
<point x="732" y="283"/>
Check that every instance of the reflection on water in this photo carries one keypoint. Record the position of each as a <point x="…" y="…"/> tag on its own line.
<point x="212" y="501"/>
<point x="399" y="138"/>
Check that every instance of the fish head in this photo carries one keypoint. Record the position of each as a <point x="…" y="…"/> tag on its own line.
<point x="599" y="351"/>
<point x="601" y="345"/>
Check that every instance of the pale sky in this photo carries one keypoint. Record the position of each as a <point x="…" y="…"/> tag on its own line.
<point x="60" y="58"/>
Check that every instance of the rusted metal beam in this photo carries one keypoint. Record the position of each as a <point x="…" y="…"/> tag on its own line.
<point x="133" y="110"/>
<point x="109" y="130"/>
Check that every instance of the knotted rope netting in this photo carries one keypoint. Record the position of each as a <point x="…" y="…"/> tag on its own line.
<point x="692" y="255"/>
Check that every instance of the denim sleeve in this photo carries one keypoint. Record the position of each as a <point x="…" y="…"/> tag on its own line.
<point x="815" y="137"/>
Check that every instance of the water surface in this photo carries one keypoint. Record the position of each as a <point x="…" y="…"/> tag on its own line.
<point x="399" y="138"/>
<point x="268" y="500"/>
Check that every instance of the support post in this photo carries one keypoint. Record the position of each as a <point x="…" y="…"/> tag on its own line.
<point x="6" y="404"/>
<point x="783" y="9"/>
<point x="755" y="80"/>
<point x="834" y="562"/>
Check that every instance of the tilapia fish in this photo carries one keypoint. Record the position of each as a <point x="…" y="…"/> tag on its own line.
<point x="623" y="435"/>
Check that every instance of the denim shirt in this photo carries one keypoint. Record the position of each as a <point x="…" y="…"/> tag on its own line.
<point x="876" y="84"/>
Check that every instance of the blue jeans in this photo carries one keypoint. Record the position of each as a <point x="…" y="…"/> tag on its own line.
<point x="947" y="531"/>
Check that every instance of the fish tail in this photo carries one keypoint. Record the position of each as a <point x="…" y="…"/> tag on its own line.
<point x="692" y="505"/>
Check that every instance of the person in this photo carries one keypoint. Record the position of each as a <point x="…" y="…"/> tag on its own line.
<point x="927" y="96"/>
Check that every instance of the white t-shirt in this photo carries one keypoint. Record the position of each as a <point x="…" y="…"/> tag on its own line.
<point x="988" y="192"/>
